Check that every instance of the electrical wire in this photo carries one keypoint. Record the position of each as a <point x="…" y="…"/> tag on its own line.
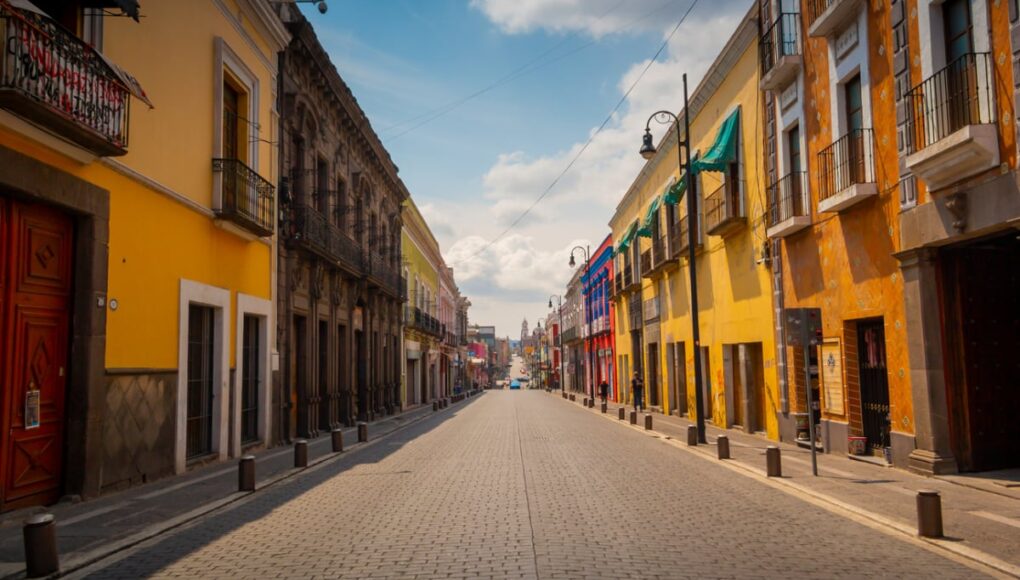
<point x="525" y="69"/>
<point x="587" y="143"/>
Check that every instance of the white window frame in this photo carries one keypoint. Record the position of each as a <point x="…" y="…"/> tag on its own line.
<point x="218" y="299"/>
<point x="262" y="309"/>
<point x="932" y="33"/>
<point x="855" y="61"/>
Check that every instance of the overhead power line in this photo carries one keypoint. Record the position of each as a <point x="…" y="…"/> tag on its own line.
<point x="591" y="138"/>
<point x="525" y="69"/>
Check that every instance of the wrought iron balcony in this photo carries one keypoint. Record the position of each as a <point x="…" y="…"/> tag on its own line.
<point x="379" y="273"/>
<point x="246" y="198"/>
<point x="630" y="281"/>
<point x="658" y="252"/>
<point x="787" y="200"/>
<point x="683" y="236"/>
<point x="952" y="122"/>
<point x="674" y="240"/>
<point x="55" y="80"/>
<point x="617" y="284"/>
<point x="312" y="231"/>
<point x="422" y="321"/>
<point x="828" y="16"/>
<point x="780" y="51"/>
<point x="723" y="214"/>
<point x="646" y="263"/>
<point x="846" y="171"/>
<point x="571" y="335"/>
<point x="634" y="311"/>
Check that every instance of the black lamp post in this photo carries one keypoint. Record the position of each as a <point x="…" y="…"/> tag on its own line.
<point x="559" y="335"/>
<point x="648" y="151"/>
<point x="584" y="306"/>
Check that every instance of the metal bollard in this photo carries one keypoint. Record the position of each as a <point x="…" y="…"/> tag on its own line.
<point x="300" y="453"/>
<point x="773" y="464"/>
<point x="246" y="473"/>
<point x="605" y="408"/>
<point x="40" y="533"/>
<point x="722" y="445"/>
<point x="362" y="432"/>
<point x="633" y="417"/>
<point x="585" y="403"/>
<point x="648" y="422"/>
<point x="929" y="514"/>
<point x="692" y="435"/>
<point x="435" y="405"/>
<point x="564" y="395"/>
<point x="591" y="403"/>
<point x="338" y="440"/>
<point x="623" y="413"/>
<point x="572" y="397"/>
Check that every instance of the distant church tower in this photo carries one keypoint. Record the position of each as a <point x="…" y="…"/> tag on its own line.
<point x="524" y="332"/>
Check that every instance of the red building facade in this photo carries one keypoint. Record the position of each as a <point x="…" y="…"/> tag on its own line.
<point x="599" y="341"/>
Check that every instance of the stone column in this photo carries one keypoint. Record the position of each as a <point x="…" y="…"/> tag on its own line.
<point x="933" y="454"/>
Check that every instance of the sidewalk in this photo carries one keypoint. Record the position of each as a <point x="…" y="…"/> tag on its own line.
<point x="94" y="529"/>
<point x="981" y="519"/>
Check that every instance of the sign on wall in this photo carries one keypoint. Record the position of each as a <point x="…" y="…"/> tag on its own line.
<point x="831" y="364"/>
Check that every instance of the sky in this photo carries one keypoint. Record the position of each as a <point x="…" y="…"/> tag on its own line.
<point x="482" y="104"/>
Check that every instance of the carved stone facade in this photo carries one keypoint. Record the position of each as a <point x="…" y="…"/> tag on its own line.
<point x="339" y="299"/>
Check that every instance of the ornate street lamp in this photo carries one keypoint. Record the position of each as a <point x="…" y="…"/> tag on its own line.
<point x="648" y="151"/>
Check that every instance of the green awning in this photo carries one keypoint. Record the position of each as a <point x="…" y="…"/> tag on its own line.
<point x="675" y="192"/>
<point x="646" y="225"/>
<point x="627" y="238"/>
<point x="724" y="150"/>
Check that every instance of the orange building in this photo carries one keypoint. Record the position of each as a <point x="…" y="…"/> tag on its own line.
<point x="891" y="154"/>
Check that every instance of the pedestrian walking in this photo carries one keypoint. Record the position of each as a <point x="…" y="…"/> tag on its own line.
<point x="638" y="386"/>
<point x="604" y="390"/>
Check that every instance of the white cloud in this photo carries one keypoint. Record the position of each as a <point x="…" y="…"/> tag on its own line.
<point x="516" y="274"/>
<point x="594" y="17"/>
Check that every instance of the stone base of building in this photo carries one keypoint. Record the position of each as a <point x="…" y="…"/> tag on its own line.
<point x="930" y="463"/>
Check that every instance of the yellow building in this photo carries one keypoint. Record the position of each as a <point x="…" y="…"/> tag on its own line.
<point x="166" y="238"/>
<point x="422" y="329"/>
<point x="652" y="284"/>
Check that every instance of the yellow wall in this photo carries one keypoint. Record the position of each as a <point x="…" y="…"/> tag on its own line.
<point x="734" y="292"/>
<point x="155" y="240"/>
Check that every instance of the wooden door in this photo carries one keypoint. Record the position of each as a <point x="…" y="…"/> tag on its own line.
<point x="36" y="245"/>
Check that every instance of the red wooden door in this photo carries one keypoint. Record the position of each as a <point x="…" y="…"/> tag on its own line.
<point x="36" y="250"/>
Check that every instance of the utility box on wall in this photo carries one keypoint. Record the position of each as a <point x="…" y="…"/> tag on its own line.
<point x="803" y="326"/>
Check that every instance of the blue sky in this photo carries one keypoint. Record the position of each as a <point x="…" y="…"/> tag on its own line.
<point x="474" y="169"/>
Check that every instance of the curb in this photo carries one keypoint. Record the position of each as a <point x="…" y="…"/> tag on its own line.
<point x="946" y="548"/>
<point x="76" y="562"/>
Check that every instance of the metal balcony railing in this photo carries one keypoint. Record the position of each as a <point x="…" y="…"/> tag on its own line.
<point x="658" y="251"/>
<point x="313" y="231"/>
<point x="848" y="161"/>
<point x="781" y="38"/>
<point x="961" y="94"/>
<point x="786" y="199"/>
<point x="56" y="80"/>
<point x="683" y="236"/>
<point x="420" y="320"/>
<point x="378" y="269"/>
<point x="635" y="311"/>
<point x="646" y="263"/>
<point x="246" y="198"/>
<point x="816" y="8"/>
<point x="618" y="286"/>
<point x="722" y="209"/>
<point x="673" y="230"/>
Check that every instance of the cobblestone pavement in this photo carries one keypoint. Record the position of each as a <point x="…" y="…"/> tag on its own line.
<point x="518" y="484"/>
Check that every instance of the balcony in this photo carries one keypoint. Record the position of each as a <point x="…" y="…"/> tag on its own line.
<point x="634" y="312"/>
<point x="683" y="245"/>
<point x="787" y="206"/>
<point x="54" y="80"/>
<point x="780" y="52"/>
<point x="380" y="274"/>
<point x="952" y="122"/>
<point x="659" y="257"/>
<point x="419" y="320"/>
<point x="826" y="17"/>
<point x="313" y="232"/>
<point x="630" y="281"/>
<point x="246" y="199"/>
<point x="846" y="172"/>
<point x="722" y="211"/>
<point x="674" y="241"/>
<point x="571" y="335"/>
<point x="646" y="264"/>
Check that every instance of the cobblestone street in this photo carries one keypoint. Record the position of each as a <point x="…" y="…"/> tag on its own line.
<point x="522" y="484"/>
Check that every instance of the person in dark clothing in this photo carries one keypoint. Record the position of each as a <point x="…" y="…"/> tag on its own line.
<point x="638" y="386"/>
<point x="604" y="390"/>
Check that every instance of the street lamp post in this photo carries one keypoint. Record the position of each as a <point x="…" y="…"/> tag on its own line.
<point x="559" y="335"/>
<point x="584" y="305"/>
<point x="648" y="151"/>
